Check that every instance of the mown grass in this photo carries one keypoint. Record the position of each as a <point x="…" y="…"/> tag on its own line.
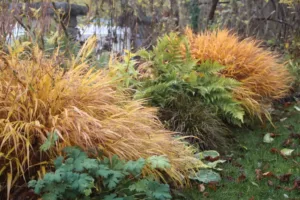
<point x="251" y="154"/>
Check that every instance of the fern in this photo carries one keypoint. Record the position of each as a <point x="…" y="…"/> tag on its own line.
<point x="168" y="74"/>
<point x="77" y="177"/>
<point x="177" y="73"/>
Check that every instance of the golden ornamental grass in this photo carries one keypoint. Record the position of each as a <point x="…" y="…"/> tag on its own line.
<point x="262" y="76"/>
<point x="85" y="108"/>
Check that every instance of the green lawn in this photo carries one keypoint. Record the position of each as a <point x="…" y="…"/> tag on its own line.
<point x="251" y="154"/>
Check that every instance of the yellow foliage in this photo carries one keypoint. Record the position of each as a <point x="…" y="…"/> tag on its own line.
<point x="289" y="2"/>
<point x="262" y="76"/>
<point x="83" y="106"/>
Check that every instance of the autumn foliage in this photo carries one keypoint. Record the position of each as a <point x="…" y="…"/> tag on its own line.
<point x="263" y="77"/>
<point x="84" y="108"/>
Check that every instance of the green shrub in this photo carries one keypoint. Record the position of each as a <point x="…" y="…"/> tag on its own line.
<point x="168" y="74"/>
<point x="191" y="97"/>
<point x="80" y="177"/>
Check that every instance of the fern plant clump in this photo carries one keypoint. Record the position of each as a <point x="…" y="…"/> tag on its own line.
<point x="191" y="97"/>
<point x="84" y="108"/>
<point x="263" y="78"/>
<point x="175" y="74"/>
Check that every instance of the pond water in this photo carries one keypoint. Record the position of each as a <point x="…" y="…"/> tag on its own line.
<point x="114" y="39"/>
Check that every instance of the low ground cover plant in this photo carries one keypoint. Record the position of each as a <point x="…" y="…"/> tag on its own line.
<point x="79" y="177"/>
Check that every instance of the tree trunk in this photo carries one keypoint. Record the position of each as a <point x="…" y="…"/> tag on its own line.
<point x="212" y="11"/>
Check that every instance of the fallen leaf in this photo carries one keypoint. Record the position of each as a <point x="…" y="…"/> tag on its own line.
<point x="211" y="159"/>
<point x="278" y="187"/>
<point x="287" y="142"/>
<point x="270" y="183"/>
<point x="290" y="127"/>
<point x="236" y="164"/>
<point x="268" y="138"/>
<point x="286" y="152"/>
<point x="268" y="174"/>
<point x="274" y="135"/>
<point x="201" y="187"/>
<point x="297" y="108"/>
<point x="297" y="184"/>
<point x="285" y="178"/>
<point x="205" y="194"/>
<point x="252" y="198"/>
<point x="295" y="135"/>
<point x="212" y="185"/>
<point x="206" y="176"/>
<point x="287" y="104"/>
<point x="241" y="178"/>
<point x="274" y="150"/>
<point x="228" y="159"/>
<point x="283" y="119"/>
<point x="258" y="174"/>
<point x="230" y="178"/>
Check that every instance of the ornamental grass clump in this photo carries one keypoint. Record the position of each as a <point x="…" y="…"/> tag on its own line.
<point x="263" y="78"/>
<point x="84" y="108"/>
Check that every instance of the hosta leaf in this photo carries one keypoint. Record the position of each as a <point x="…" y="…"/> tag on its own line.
<point x="215" y="163"/>
<point x="206" y="176"/>
<point x="209" y="153"/>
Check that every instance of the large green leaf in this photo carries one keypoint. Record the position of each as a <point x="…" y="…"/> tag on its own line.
<point x="206" y="176"/>
<point x="161" y="162"/>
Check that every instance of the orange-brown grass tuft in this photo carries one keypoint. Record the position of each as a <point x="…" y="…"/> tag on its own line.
<point x="84" y="107"/>
<point x="262" y="76"/>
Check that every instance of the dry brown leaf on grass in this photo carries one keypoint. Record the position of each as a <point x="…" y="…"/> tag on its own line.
<point x="285" y="178"/>
<point x="258" y="174"/>
<point x="241" y="178"/>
